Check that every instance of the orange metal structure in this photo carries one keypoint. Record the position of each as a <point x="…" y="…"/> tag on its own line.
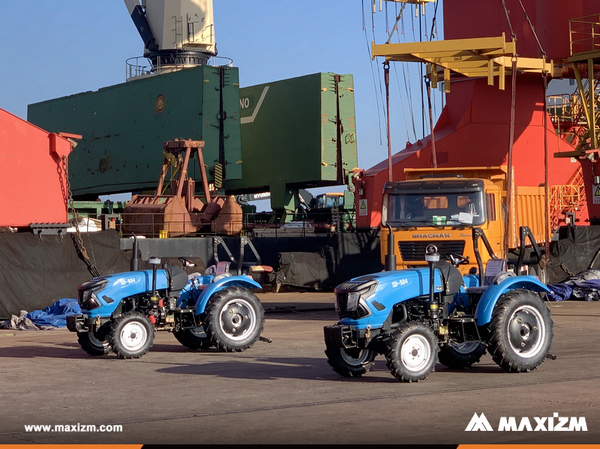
<point x="34" y="184"/>
<point x="474" y="126"/>
<point x="180" y="212"/>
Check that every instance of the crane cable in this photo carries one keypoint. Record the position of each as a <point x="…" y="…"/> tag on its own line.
<point x="434" y="22"/>
<point x="399" y="16"/>
<point x="395" y="27"/>
<point x="509" y="219"/>
<point x="544" y="126"/>
<point x="402" y="106"/>
<point x="372" y="72"/>
<point x="512" y="33"/>
<point x="428" y="86"/>
<point x="532" y="28"/>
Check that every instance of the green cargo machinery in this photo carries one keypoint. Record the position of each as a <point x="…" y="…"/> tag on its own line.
<point x="296" y="133"/>
<point x="277" y="137"/>
<point x="124" y="126"/>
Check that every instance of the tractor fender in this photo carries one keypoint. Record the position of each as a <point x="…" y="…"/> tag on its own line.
<point x="489" y="298"/>
<point x="214" y="287"/>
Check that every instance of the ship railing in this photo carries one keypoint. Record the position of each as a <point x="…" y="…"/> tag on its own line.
<point x="166" y="224"/>
<point x="140" y="66"/>
<point x="584" y="34"/>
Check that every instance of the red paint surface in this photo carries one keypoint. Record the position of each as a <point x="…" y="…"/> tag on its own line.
<point x="474" y="127"/>
<point x="32" y="184"/>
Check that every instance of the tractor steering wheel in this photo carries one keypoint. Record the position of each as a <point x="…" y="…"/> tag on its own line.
<point x="456" y="259"/>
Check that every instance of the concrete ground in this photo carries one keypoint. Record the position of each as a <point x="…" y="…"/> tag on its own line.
<point x="285" y="392"/>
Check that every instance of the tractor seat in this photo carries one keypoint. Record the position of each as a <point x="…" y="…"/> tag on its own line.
<point x="218" y="271"/>
<point x="177" y="278"/>
<point x="495" y="272"/>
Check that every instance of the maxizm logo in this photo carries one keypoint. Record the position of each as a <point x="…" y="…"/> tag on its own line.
<point x="554" y="423"/>
<point x="431" y="236"/>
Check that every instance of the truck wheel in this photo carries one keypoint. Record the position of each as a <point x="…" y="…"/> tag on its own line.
<point x="350" y="362"/>
<point x="412" y="352"/>
<point x="234" y="319"/>
<point x="94" y="343"/>
<point x="195" y="339"/>
<point x="541" y="273"/>
<point x="521" y="331"/>
<point x="461" y="355"/>
<point x="131" y="335"/>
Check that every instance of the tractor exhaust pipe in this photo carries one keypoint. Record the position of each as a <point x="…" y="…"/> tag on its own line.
<point x="133" y="263"/>
<point x="155" y="262"/>
<point x="390" y="257"/>
<point x="432" y="256"/>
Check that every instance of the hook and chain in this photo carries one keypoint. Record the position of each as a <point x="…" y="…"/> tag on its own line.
<point x="79" y="240"/>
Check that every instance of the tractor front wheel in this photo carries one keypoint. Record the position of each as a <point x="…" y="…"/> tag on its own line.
<point x="131" y="335"/>
<point x="412" y="352"/>
<point x="352" y="362"/>
<point x="234" y="319"/>
<point x="521" y="331"/>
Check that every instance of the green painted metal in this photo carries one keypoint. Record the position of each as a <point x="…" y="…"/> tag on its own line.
<point x="296" y="133"/>
<point x="277" y="137"/>
<point x="124" y="126"/>
<point x="95" y="209"/>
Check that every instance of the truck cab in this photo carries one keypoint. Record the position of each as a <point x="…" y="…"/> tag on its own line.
<point x="442" y="211"/>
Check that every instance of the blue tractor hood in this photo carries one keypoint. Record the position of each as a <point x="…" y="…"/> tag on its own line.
<point x="407" y="283"/>
<point x="381" y="291"/>
<point x="111" y="289"/>
<point x="131" y="281"/>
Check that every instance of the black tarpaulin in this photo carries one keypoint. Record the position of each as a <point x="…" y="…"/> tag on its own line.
<point x="335" y="260"/>
<point x="574" y="252"/>
<point x="35" y="272"/>
<point x="302" y="269"/>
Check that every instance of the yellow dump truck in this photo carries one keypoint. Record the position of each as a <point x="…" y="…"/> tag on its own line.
<point x="442" y="207"/>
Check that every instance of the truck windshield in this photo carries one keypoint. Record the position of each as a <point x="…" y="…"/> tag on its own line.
<point x="434" y="209"/>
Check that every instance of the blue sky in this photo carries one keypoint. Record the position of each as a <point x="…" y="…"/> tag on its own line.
<point x="53" y="48"/>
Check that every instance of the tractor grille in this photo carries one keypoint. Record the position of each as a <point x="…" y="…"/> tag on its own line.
<point x="342" y="303"/>
<point x="345" y="287"/>
<point x="366" y="286"/>
<point x="341" y="296"/>
<point x="414" y="250"/>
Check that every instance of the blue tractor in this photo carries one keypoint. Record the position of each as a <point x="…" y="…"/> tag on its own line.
<point x="417" y="317"/>
<point x="122" y="311"/>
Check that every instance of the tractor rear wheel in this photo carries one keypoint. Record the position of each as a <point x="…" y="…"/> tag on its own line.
<point x="131" y="335"/>
<point x="461" y="355"/>
<point x="521" y="331"/>
<point x="234" y="319"/>
<point x="412" y="352"/>
<point x="195" y="339"/>
<point x="352" y="362"/>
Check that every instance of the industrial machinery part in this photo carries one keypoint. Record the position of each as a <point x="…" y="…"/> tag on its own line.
<point x="176" y="34"/>
<point x="123" y="124"/>
<point x="179" y="212"/>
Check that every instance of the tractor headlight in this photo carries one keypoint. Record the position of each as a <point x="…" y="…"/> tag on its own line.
<point x="351" y="297"/>
<point x="362" y="293"/>
<point x="88" y="300"/>
<point x="87" y="294"/>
